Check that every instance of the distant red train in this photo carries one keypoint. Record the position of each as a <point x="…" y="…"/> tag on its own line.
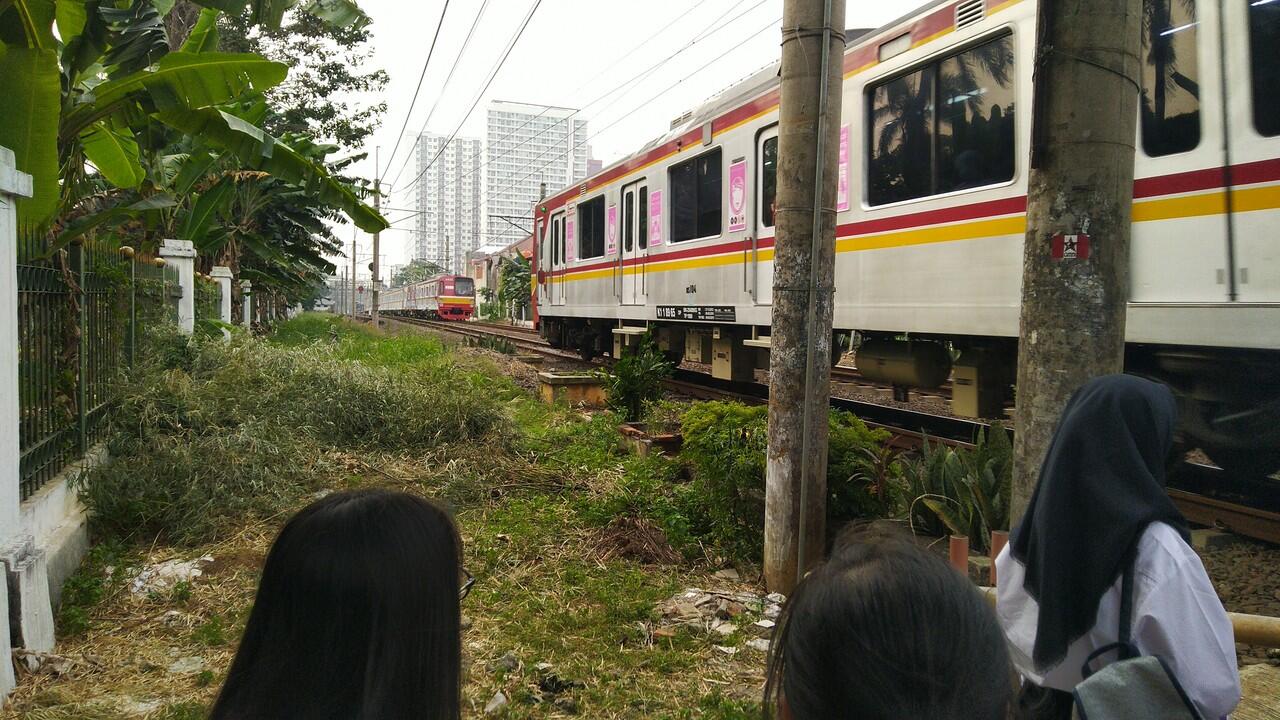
<point x="443" y="297"/>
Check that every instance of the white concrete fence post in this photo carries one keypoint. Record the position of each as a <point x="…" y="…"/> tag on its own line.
<point x="181" y="255"/>
<point x="246" y="303"/>
<point x="222" y="275"/>
<point x="13" y="185"/>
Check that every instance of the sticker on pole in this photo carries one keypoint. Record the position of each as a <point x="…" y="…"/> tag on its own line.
<point x="842" y="172"/>
<point x="1070" y="247"/>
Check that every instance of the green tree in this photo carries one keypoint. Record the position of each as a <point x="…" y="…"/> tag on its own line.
<point x="416" y="271"/>
<point x="514" y="289"/>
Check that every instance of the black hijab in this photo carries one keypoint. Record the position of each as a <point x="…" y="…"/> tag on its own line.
<point x="1101" y="484"/>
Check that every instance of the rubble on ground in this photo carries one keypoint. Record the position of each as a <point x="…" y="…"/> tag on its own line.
<point x="723" y="615"/>
<point x="163" y="576"/>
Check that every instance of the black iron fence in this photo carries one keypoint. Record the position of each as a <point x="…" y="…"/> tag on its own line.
<point x="79" y="310"/>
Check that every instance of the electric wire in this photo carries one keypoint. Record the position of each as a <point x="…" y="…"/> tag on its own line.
<point x="421" y="76"/>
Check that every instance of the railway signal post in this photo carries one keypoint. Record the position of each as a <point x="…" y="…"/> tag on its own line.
<point x="799" y="356"/>
<point x="1075" y="273"/>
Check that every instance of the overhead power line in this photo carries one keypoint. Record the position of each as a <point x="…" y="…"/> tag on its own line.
<point x="421" y="76"/>
<point x="456" y="62"/>
<point x="497" y="68"/>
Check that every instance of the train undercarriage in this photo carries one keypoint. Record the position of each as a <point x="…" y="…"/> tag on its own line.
<point x="1229" y="399"/>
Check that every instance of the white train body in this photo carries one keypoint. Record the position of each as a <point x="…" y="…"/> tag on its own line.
<point x="930" y="232"/>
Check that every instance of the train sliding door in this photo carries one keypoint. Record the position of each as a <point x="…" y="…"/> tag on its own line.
<point x="1253" y="69"/>
<point x="555" y="278"/>
<point x="761" y="285"/>
<point x="634" y="252"/>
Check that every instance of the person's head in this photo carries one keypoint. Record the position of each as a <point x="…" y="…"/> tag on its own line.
<point x="886" y="629"/>
<point x="356" y="617"/>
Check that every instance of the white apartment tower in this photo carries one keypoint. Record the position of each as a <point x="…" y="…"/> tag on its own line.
<point x="529" y="145"/>
<point x="447" y="198"/>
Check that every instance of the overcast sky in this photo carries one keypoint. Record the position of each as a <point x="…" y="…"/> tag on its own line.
<point x="629" y="66"/>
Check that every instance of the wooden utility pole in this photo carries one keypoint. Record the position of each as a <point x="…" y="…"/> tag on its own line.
<point x="800" y="352"/>
<point x="1075" y="266"/>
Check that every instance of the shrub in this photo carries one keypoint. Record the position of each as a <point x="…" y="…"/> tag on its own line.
<point x="207" y="433"/>
<point x="635" y="380"/>
<point x="727" y="443"/>
<point x="960" y="490"/>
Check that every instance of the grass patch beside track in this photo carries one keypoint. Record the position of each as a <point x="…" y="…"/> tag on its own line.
<point x="217" y="444"/>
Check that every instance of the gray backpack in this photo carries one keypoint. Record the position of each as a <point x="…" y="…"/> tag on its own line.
<point x="1134" y="687"/>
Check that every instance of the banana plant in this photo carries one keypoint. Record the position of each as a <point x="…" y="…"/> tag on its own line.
<point x="86" y="94"/>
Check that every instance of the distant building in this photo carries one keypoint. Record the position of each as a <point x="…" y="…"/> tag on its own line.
<point x="447" y="198"/>
<point x="528" y="145"/>
<point x="594" y="166"/>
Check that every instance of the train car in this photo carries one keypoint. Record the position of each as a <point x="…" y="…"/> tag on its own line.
<point x="443" y="297"/>
<point x="933" y="162"/>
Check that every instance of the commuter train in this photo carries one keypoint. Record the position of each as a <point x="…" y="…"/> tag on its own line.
<point x="443" y="297"/>
<point x="933" y="155"/>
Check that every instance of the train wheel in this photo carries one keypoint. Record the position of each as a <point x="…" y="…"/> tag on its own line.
<point x="587" y="347"/>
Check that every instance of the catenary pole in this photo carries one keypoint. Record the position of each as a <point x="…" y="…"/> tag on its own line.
<point x="1075" y="263"/>
<point x="353" y="273"/>
<point x="799" y="358"/>
<point x="376" y="284"/>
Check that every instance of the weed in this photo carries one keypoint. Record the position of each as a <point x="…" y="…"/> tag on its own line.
<point x="963" y="491"/>
<point x="205" y="678"/>
<point x="635" y="380"/>
<point x="211" y="633"/>
<point x="99" y="575"/>
<point x="493" y="342"/>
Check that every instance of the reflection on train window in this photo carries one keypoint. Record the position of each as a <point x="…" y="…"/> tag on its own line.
<point x="1264" y="56"/>
<point x="591" y="228"/>
<point x="1170" y="77"/>
<point x="768" y="180"/>
<point x="628" y="221"/>
<point x="695" y="197"/>
<point x="947" y="126"/>
<point x="464" y="287"/>
<point x="643" y="223"/>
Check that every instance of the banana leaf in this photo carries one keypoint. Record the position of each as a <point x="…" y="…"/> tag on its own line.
<point x="114" y="152"/>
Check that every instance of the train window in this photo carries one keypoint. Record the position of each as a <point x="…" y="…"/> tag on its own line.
<point x="464" y="287"/>
<point x="557" y="239"/>
<point x="695" y="197"/>
<point x="591" y="228"/>
<point x="946" y="126"/>
<point x="975" y="117"/>
<point x="1264" y="57"/>
<point x="628" y="221"/>
<point x="768" y="180"/>
<point x="1170" y="78"/>
<point x="643" y="220"/>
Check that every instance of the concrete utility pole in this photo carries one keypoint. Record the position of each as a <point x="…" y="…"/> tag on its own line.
<point x="1075" y="262"/>
<point x="377" y="277"/>
<point x="353" y="273"/>
<point x="800" y="352"/>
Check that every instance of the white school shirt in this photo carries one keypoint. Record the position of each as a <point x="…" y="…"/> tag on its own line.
<point x="1177" y="616"/>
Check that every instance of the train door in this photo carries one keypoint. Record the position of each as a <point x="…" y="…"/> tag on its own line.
<point x="1253" y="69"/>
<point x="634" y="252"/>
<point x="541" y="265"/>
<point x="761" y="250"/>
<point x="555" y="279"/>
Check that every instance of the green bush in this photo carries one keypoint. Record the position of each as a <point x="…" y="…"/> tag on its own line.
<point x="635" y="380"/>
<point x="207" y="433"/>
<point x="960" y="490"/>
<point x="726" y="443"/>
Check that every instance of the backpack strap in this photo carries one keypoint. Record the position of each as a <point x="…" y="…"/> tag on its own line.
<point x="1124" y="645"/>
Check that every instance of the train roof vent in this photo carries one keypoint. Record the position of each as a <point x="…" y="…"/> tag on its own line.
<point x="969" y="12"/>
<point x="686" y="117"/>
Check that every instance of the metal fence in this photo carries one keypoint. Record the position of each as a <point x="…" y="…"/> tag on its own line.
<point x="79" y="310"/>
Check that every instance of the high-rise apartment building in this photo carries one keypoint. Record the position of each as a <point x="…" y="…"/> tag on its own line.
<point x="529" y="145"/>
<point x="447" y="198"/>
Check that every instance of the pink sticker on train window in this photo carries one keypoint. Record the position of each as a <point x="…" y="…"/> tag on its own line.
<point x="842" y="172"/>
<point x="655" y="218"/>
<point x="611" y="230"/>
<point x="570" y="242"/>
<point x="738" y="196"/>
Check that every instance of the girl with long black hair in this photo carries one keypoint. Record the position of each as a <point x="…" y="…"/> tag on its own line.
<point x="1100" y="505"/>
<point x="356" y="618"/>
<point x="885" y="629"/>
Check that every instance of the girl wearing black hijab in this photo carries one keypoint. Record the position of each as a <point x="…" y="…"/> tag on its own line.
<point x="1101" y="503"/>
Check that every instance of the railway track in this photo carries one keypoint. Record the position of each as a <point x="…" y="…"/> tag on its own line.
<point x="1203" y="493"/>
